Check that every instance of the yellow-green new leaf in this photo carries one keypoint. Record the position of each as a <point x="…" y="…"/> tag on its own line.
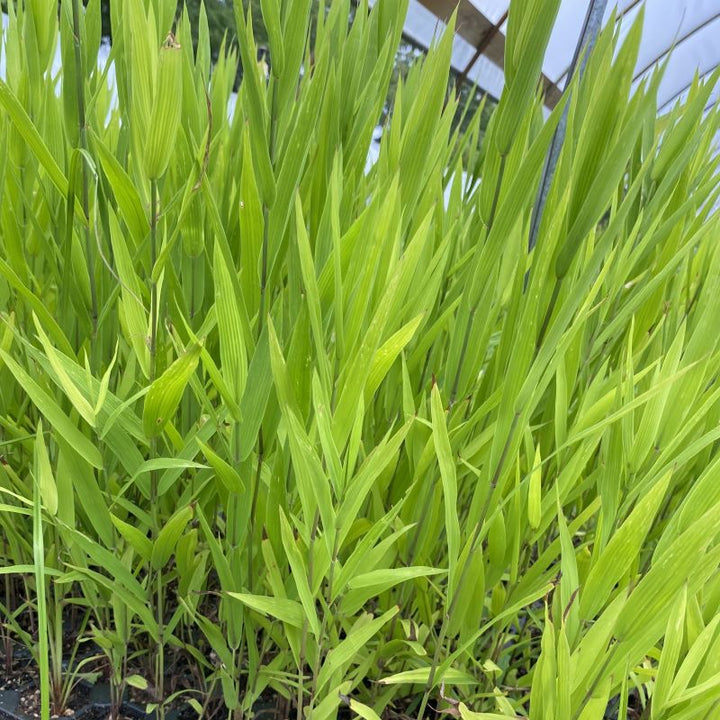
<point x="233" y="355"/>
<point x="364" y="711"/>
<point x="420" y="676"/>
<point x="621" y="551"/>
<point x="165" y="393"/>
<point x="467" y="714"/>
<point x="166" y="540"/>
<point x="299" y="573"/>
<point x="449" y="482"/>
<point x="44" y="473"/>
<point x="135" y="537"/>
<point x="288" y="611"/>
<point x="50" y="409"/>
<point x="165" y="117"/>
<point x="669" y="656"/>
<point x="224" y="472"/>
<point x="346" y="650"/>
<point x="73" y="393"/>
<point x="535" y="492"/>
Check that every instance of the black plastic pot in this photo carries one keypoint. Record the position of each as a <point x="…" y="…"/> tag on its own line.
<point x="96" y="707"/>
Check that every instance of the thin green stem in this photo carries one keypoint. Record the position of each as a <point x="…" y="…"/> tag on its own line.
<point x="42" y="609"/>
<point x="548" y="313"/>
<point x="266" y="215"/>
<point x="323" y="625"/>
<point x="56" y="676"/>
<point x="301" y="672"/>
<point x="82" y="139"/>
<point x="153" y="283"/>
<point x="473" y="310"/>
<point x="464" y="571"/>
<point x="253" y="506"/>
<point x="154" y="477"/>
<point x="595" y="682"/>
<point x="260" y="325"/>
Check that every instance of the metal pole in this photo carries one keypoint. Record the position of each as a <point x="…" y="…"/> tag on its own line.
<point x="586" y="42"/>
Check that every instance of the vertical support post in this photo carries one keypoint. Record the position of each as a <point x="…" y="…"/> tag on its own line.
<point x="586" y="42"/>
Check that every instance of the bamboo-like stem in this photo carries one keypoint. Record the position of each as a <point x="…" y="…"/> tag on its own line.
<point x="260" y="325"/>
<point x="266" y="213"/>
<point x="548" y="313"/>
<point x="253" y="506"/>
<point x="323" y="625"/>
<point x="464" y="571"/>
<point x="42" y="609"/>
<point x="154" y="491"/>
<point x="301" y="675"/>
<point x="153" y="282"/>
<point x="596" y="681"/>
<point x="9" y="604"/>
<point x="82" y="140"/>
<point x="473" y="310"/>
<point x="56" y="645"/>
<point x="449" y="613"/>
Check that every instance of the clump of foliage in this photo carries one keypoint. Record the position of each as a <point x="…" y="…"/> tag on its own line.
<point x="275" y="423"/>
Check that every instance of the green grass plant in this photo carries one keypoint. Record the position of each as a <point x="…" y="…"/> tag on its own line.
<point x="275" y="423"/>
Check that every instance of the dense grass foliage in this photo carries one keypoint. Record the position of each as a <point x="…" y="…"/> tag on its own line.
<point x="274" y="423"/>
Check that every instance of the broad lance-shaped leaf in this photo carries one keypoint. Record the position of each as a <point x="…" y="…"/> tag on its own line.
<point x="672" y="645"/>
<point x="449" y="482"/>
<point x="288" y="611"/>
<point x="300" y="574"/>
<point x="307" y="267"/>
<point x="621" y="551"/>
<point x="71" y="390"/>
<point x="169" y="535"/>
<point x="368" y="585"/>
<point x="644" y="616"/>
<point x="233" y="356"/>
<point x="135" y="317"/>
<point x="375" y="463"/>
<point x="227" y="474"/>
<point x="346" y="650"/>
<point x="420" y="676"/>
<point x="383" y="579"/>
<point x="165" y="393"/>
<point x="467" y="714"/>
<point x="27" y="129"/>
<point x="528" y="35"/>
<point x="135" y="537"/>
<point x="165" y="118"/>
<point x="271" y="15"/>
<point x="122" y="581"/>
<point x="360" y="709"/>
<point x="44" y="473"/>
<point x="535" y="492"/>
<point x="38" y="549"/>
<point x="257" y="393"/>
<point x="126" y="194"/>
<point x="51" y="410"/>
<point x="700" y="654"/>
<point x="542" y="694"/>
<point x="387" y="353"/>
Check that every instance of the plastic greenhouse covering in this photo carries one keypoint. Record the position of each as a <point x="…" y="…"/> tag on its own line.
<point x="683" y="33"/>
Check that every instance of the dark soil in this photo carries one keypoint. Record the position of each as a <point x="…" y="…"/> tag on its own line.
<point x="19" y="674"/>
<point x="96" y="713"/>
<point x="29" y="702"/>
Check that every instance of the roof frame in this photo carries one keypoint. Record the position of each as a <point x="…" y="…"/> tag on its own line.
<point x="693" y="31"/>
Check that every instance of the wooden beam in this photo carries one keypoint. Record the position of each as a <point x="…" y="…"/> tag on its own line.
<point x="473" y="27"/>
